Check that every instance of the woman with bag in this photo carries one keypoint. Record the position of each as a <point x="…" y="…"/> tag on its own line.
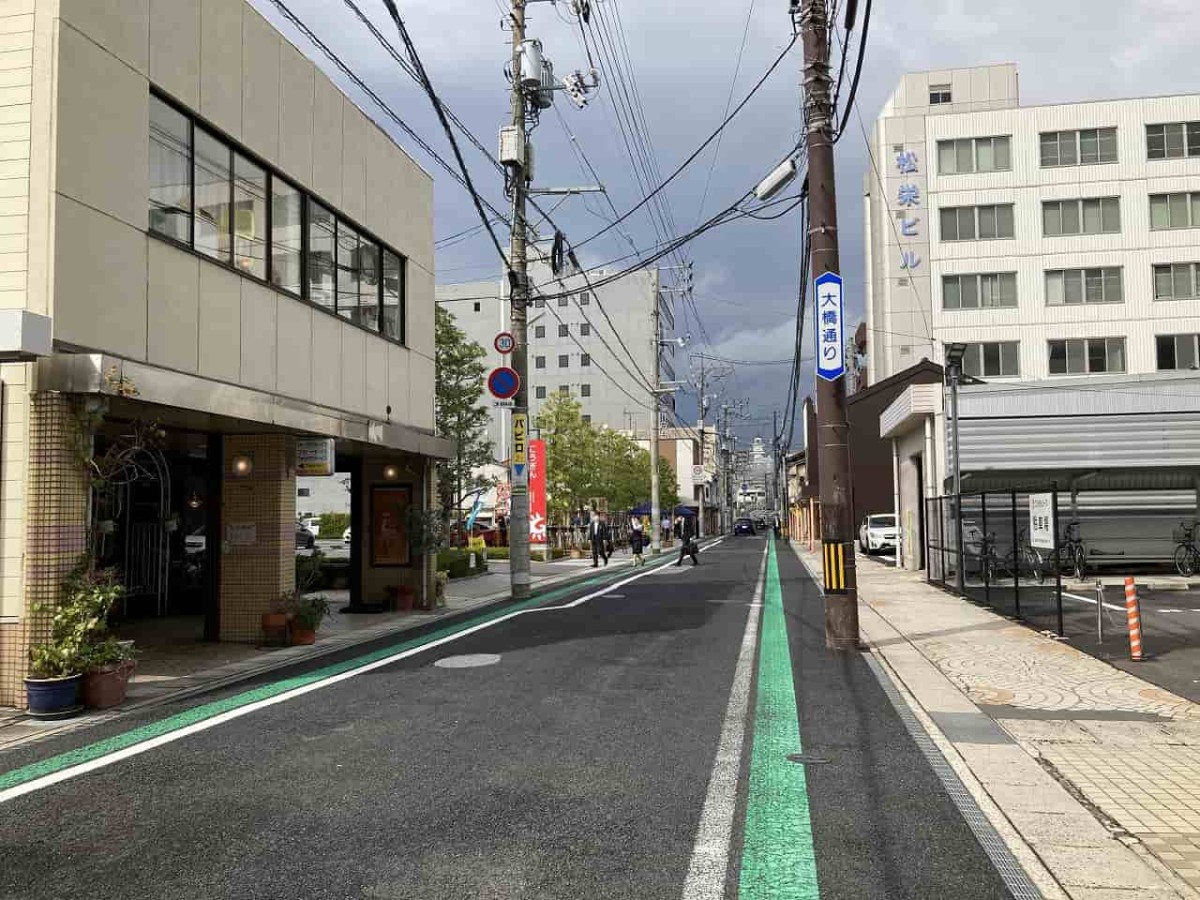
<point x="636" y="537"/>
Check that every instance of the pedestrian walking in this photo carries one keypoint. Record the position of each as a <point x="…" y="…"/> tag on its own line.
<point x="687" y="542"/>
<point x="636" y="536"/>
<point x="598" y="535"/>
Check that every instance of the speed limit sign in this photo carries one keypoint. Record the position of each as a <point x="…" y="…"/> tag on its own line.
<point x="504" y="342"/>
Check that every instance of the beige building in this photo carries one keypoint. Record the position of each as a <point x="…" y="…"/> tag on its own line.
<point x="199" y="231"/>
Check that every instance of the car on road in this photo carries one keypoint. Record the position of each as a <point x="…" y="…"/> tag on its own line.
<point x="743" y="526"/>
<point x="876" y="533"/>
<point x="304" y="538"/>
<point x="346" y="536"/>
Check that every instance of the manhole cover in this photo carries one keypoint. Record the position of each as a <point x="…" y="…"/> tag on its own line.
<point x="468" y="661"/>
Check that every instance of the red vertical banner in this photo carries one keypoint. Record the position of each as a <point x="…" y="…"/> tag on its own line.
<point x="537" y="492"/>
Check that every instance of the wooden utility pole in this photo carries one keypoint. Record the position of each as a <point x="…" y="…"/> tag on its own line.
<point x="837" y="526"/>
<point x="518" y="523"/>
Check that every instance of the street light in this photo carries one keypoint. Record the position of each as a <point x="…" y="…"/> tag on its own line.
<point x="954" y="360"/>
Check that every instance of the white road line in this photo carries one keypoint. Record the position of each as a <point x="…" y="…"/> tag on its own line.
<point x="101" y="762"/>
<point x="710" y="853"/>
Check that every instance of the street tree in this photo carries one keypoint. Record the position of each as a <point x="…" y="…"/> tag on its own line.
<point x="571" y="456"/>
<point x="459" y="416"/>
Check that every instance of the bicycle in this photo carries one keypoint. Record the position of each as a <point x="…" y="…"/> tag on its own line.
<point x="1025" y="556"/>
<point x="1187" y="557"/>
<point x="990" y="562"/>
<point x="1072" y="554"/>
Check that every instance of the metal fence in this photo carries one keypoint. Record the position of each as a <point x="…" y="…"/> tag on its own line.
<point x="980" y="545"/>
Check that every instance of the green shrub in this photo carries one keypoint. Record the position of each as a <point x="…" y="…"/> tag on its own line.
<point x="458" y="563"/>
<point x="333" y="526"/>
<point x="497" y="553"/>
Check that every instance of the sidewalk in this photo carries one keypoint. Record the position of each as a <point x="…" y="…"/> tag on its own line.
<point x="1091" y="774"/>
<point x="199" y="668"/>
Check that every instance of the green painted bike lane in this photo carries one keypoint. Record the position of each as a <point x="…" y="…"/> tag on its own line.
<point x="205" y="711"/>
<point x="778" y="859"/>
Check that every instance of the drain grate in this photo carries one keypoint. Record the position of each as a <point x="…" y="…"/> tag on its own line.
<point x="1015" y="878"/>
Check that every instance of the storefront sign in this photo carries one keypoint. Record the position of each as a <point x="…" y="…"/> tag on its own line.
<point x="1041" y="521"/>
<point x="537" y="492"/>
<point x="519" y="449"/>
<point x="241" y="534"/>
<point x="389" y="528"/>
<point x="314" y="457"/>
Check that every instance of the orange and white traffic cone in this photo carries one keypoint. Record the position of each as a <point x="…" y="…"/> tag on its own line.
<point x="1133" y="612"/>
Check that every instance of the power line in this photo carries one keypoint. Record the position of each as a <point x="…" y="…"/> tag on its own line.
<point x="862" y="52"/>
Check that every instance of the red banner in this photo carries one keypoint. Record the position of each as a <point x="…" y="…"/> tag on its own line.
<point x="537" y="492"/>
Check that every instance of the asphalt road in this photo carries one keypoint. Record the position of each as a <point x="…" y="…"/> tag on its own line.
<point x="583" y="761"/>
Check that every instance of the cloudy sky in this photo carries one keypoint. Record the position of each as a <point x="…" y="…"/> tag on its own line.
<point x="683" y="56"/>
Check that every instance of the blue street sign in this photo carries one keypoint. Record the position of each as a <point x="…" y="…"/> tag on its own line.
<point x="503" y="383"/>
<point x="830" y="326"/>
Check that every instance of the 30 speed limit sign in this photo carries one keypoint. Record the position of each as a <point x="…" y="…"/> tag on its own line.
<point x="504" y="342"/>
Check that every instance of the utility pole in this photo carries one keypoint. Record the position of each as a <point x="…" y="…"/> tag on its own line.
<point x="655" y="511"/>
<point x="518" y="529"/>
<point x="700" y="426"/>
<point x="841" y="589"/>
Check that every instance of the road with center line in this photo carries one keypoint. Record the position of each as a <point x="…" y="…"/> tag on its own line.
<point x="624" y="738"/>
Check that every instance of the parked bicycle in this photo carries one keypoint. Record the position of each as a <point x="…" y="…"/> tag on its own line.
<point x="991" y="564"/>
<point x="1025" y="558"/>
<point x="1187" y="556"/>
<point x="1072" y="553"/>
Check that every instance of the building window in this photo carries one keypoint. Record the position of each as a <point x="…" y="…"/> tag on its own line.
<point x="303" y="492"/>
<point x="539" y="331"/>
<point x="1088" y="146"/>
<point x="540" y="302"/>
<point x="539" y="362"/>
<point x="939" y="93"/>
<point x="967" y="155"/>
<point x="170" y="172"/>
<point x="562" y="301"/>
<point x="1095" y="215"/>
<point x="1174" y="211"/>
<point x="984" y="223"/>
<point x="992" y="360"/>
<point x="563" y="360"/>
<point x="585" y="329"/>
<point x="1087" y="356"/>
<point x="585" y="359"/>
<point x="587" y="420"/>
<point x="564" y="331"/>
<point x="987" y="291"/>
<point x="585" y="299"/>
<point x="1177" y="281"/>
<point x="564" y="389"/>
<point x="1177" y="352"/>
<point x="206" y="193"/>
<point x="1173" y="141"/>
<point x="477" y="307"/>
<point x="585" y="390"/>
<point x="540" y="392"/>
<point x="1072" y="287"/>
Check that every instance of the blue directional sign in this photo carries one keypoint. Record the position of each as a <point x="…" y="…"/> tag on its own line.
<point x="830" y="327"/>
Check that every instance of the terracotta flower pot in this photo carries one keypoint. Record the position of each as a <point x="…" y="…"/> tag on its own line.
<point x="53" y="698"/>
<point x="107" y="686"/>
<point x="405" y="597"/>
<point x="303" y="636"/>
<point x="275" y="627"/>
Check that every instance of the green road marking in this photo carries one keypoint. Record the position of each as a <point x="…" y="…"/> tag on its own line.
<point x="778" y="860"/>
<point x="196" y="714"/>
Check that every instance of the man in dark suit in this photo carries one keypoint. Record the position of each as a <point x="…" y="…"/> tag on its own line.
<point x="687" y="541"/>
<point x="598" y="535"/>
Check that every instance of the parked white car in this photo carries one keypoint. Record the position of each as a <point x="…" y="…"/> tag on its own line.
<point x="877" y="533"/>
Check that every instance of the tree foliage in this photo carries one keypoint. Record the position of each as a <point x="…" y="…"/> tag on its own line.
<point x="460" y="418"/>
<point x="585" y="463"/>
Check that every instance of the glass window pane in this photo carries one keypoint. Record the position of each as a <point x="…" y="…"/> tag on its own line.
<point x="946" y="157"/>
<point x="212" y="177"/>
<point x="1076" y="358"/>
<point x="1070" y="217"/>
<point x="1185" y="351"/>
<point x="1073" y="280"/>
<point x="1051" y="218"/>
<point x="1108" y="145"/>
<point x="563" y="361"/>
<point x="1000" y="145"/>
<point x="1089" y="146"/>
<point x="1175" y="147"/>
<point x="1058" y="357"/>
<point x="1091" y="217"/>
<point x="170" y="172"/>
<point x="972" y="361"/>
<point x="1111" y="211"/>
<point x="1054" y="289"/>
<point x="1116" y="354"/>
<point x="563" y="331"/>
<point x="1010" y="362"/>
<point x="1193" y="139"/>
<point x="988" y="291"/>
<point x="1113" y="288"/>
<point x="991" y="360"/>
<point x="249" y="217"/>
<point x="962" y="153"/>
<point x="1049" y="148"/>
<point x="949" y="219"/>
<point x="969" y="286"/>
<point x="1093" y="286"/>
<point x="1004" y="221"/>
<point x="1156" y="142"/>
<point x="1008" y="289"/>
<point x="321" y="230"/>
<point x="987" y="222"/>
<point x="1183" y="281"/>
<point x="1159" y="214"/>
<point x="287" y="236"/>
<point x="585" y="329"/>
<point x="1164" y="346"/>
<point x="391" y="322"/>
<point x="951" y="299"/>
<point x="1096" y="355"/>
<point x="1178" y="204"/>
<point x="966" y="223"/>
<point x="1067" y="149"/>
<point x="1195" y="221"/>
<point x="985" y="155"/>
<point x="1163" y="289"/>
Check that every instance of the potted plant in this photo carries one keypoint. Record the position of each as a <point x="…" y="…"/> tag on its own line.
<point x="307" y="615"/>
<point x="52" y="685"/>
<point x="107" y="666"/>
<point x="441" y="579"/>
<point x="275" y="621"/>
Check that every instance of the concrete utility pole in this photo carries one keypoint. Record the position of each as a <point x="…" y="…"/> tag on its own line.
<point x="518" y="525"/>
<point x="837" y="527"/>
<point x="655" y="512"/>
<point x="700" y="426"/>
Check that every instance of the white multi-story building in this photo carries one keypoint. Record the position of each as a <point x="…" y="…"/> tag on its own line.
<point x="1058" y="240"/>
<point x="574" y="345"/>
